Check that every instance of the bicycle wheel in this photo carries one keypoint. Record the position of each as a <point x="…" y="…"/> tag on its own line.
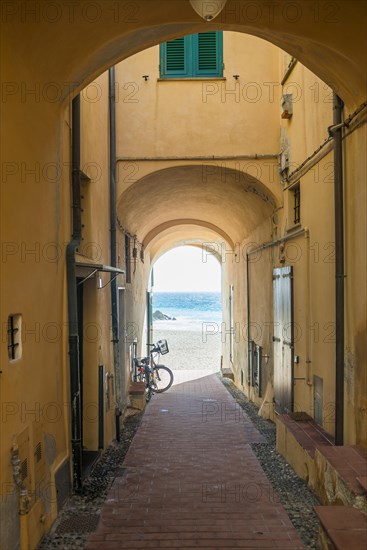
<point x="161" y="379"/>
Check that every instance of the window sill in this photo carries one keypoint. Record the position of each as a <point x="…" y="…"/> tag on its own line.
<point x="191" y="79"/>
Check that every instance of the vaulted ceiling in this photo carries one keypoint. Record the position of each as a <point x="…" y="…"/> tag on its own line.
<point x="176" y="205"/>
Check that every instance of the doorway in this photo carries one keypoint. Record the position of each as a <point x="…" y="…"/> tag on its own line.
<point x="89" y="456"/>
<point x="283" y="339"/>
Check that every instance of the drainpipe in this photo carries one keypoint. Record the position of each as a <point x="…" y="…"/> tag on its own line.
<point x="339" y="270"/>
<point x="249" y="345"/>
<point x="113" y="243"/>
<point x="75" y="396"/>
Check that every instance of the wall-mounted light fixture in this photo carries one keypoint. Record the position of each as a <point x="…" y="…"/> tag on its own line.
<point x="146" y="77"/>
<point x="208" y="10"/>
<point x="236" y="76"/>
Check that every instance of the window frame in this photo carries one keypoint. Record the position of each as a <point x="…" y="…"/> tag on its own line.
<point x="296" y="204"/>
<point x="191" y="59"/>
<point x="127" y="259"/>
<point x="14" y="339"/>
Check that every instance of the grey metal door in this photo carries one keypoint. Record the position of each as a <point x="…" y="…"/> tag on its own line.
<point x="283" y="339"/>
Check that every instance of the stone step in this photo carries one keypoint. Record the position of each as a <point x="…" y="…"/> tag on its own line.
<point x="227" y="373"/>
<point x="137" y="388"/>
<point x="362" y="480"/>
<point x="306" y="432"/>
<point x="337" y="474"/>
<point x="342" y="468"/>
<point x="136" y="397"/>
<point x="345" y="528"/>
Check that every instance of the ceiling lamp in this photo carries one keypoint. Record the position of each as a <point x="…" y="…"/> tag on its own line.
<point x="208" y="10"/>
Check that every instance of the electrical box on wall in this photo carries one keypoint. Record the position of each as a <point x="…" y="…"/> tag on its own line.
<point x="287" y="106"/>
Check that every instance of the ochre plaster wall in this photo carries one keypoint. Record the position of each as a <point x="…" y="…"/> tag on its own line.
<point x="45" y="63"/>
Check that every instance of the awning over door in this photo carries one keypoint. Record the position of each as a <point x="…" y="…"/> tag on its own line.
<point x="86" y="270"/>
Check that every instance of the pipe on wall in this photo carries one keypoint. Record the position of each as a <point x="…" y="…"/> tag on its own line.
<point x="339" y="269"/>
<point x="113" y="247"/>
<point x="270" y="244"/>
<point x="249" y="344"/>
<point x="75" y="393"/>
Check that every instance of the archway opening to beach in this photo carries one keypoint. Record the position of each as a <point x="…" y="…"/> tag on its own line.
<point x="187" y="309"/>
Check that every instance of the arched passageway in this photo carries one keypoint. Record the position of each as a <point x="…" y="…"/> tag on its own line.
<point x="324" y="36"/>
<point x="226" y="201"/>
<point x="186" y="307"/>
<point x="70" y="47"/>
<point x="212" y="207"/>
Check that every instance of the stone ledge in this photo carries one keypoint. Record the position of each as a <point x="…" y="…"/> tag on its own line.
<point x="344" y="526"/>
<point x="305" y="430"/>
<point x="338" y="470"/>
<point x="298" y="451"/>
<point x="335" y="473"/>
<point x="227" y="373"/>
<point x="137" y="388"/>
<point x="362" y="480"/>
<point x="137" y="398"/>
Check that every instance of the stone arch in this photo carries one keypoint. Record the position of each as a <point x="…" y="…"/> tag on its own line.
<point x="325" y="37"/>
<point x="179" y="196"/>
<point x="184" y="222"/>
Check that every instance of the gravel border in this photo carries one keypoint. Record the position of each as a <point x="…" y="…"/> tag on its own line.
<point x="80" y="514"/>
<point x="293" y="492"/>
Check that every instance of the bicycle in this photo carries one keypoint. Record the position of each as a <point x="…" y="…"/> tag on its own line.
<point x="158" y="378"/>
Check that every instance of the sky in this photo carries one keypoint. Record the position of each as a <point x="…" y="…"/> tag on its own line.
<point x="187" y="269"/>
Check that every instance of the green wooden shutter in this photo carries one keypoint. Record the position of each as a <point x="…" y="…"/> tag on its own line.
<point x="174" y="58"/>
<point x="175" y="55"/>
<point x="207" y="51"/>
<point x="196" y="55"/>
<point x="208" y="55"/>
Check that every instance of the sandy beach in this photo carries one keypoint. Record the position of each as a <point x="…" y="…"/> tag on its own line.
<point x="189" y="356"/>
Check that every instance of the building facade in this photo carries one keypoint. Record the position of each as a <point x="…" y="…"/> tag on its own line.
<point x="221" y="140"/>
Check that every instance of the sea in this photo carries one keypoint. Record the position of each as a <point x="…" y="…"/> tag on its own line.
<point x="190" y="309"/>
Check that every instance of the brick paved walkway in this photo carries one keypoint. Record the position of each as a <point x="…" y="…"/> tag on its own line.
<point x="192" y="480"/>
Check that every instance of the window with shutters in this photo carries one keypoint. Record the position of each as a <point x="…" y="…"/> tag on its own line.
<point x="297" y="204"/>
<point x="294" y="205"/>
<point x="14" y="337"/>
<point x="194" y="56"/>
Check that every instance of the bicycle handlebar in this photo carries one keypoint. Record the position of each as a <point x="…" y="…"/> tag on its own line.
<point x="155" y="349"/>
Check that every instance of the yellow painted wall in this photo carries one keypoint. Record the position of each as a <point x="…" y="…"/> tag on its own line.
<point x="95" y="247"/>
<point x="312" y="102"/>
<point x="312" y="256"/>
<point x="356" y="299"/>
<point x="175" y="117"/>
<point x="34" y="388"/>
<point x="39" y="58"/>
